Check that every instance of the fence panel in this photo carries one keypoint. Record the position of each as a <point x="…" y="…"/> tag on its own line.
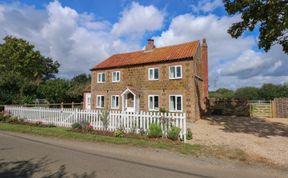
<point x="129" y="121"/>
<point x="261" y="110"/>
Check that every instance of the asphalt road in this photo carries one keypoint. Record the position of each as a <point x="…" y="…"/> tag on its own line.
<point x="24" y="156"/>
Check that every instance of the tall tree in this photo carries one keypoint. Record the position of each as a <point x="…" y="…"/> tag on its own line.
<point x="22" y="69"/>
<point x="270" y="15"/>
<point x="247" y="93"/>
<point x="222" y="93"/>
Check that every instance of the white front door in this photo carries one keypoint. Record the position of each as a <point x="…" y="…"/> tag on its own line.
<point x="88" y="101"/>
<point x="130" y="102"/>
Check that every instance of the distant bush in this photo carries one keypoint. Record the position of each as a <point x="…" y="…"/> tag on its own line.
<point x="154" y="131"/>
<point x="189" y="134"/>
<point x="173" y="133"/>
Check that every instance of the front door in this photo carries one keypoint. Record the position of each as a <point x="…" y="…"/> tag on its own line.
<point x="130" y="102"/>
<point x="88" y="101"/>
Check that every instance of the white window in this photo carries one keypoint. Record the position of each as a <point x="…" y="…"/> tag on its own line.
<point x="153" y="73"/>
<point x="175" y="72"/>
<point x="99" y="101"/>
<point x="153" y="103"/>
<point x="100" y="77"/>
<point x="116" y="76"/>
<point x="115" y="102"/>
<point x="175" y="103"/>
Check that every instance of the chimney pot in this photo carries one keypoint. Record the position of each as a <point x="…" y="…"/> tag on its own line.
<point x="150" y="45"/>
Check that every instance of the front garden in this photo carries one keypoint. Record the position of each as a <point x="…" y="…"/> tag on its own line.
<point x="152" y="139"/>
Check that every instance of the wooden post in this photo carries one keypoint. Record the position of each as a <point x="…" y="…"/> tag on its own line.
<point x="273" y="108"/>
<point x="72" y="105"/>
<point x="61" y="105"/>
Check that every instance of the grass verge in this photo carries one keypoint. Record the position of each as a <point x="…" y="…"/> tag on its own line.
<point x="196" y="149"/>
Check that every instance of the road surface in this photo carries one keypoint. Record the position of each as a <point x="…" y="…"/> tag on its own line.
<point x="23" y="155"/>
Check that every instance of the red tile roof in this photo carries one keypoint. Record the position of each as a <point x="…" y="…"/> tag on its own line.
<point x="162" y="54"/>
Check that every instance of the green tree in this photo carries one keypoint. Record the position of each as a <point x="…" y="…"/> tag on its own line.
<point x="54" y="91"/>
<point x="78" y="83"/>
<point x="270" y="91"/>
<point x="22" y="69"/>
<point x="247" y="93"/>
<point x="271" y="16"/>
<point x="222" y="93"/>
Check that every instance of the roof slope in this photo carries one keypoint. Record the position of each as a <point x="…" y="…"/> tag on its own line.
<point x="167" y="53"/>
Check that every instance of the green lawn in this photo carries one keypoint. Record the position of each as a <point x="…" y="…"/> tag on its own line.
<point x="196" y="149"/>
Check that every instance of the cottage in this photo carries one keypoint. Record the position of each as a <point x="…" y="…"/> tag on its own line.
<point x="172" y="78"/>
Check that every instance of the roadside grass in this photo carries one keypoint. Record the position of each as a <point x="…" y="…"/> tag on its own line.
<point x="191" y="149"/>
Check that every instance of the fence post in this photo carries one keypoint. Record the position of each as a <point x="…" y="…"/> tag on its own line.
<point x="61" y="105"/>
<point x="72" y="105"/>
<point x="184" y="126"/>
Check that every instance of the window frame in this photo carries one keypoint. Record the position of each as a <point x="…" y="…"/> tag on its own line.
<point x="112" y="101"/>
<point x="175" y="68"/>
<point x="115" y="81"/>
<point x="153" y="69"/>
<point x="153" y="109"/>
<point x="99" y="106"/>
<point x="98" y="77"/>
<point x="181" y="96"/>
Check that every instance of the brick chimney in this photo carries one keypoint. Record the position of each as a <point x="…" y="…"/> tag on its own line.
<point x="150" y="45"/>
<point x="204" y="57"/>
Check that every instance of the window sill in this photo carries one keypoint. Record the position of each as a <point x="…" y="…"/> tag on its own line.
<point x="175" y="78"/>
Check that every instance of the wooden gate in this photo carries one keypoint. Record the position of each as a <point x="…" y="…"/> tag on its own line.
<point x="261" y="110"/>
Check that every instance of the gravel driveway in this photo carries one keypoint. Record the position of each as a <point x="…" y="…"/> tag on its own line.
<point x="267" y="138"/>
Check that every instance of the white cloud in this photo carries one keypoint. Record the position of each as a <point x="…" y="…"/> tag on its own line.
<point x="76" y="40"/>
<point x="80" y="40"/>
<point x="206" y="6"/>
<point x="139" y="19"/>
<point x="229" y="59"/>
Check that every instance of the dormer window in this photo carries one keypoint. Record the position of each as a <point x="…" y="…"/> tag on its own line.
<point x="100" y="77"/>
<point x="116" y="76"/>
<point x="153" y="73"/>
<point x="175" y="72"/>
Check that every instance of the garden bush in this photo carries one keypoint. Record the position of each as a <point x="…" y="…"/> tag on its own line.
<point x="82" y="125"/>
<point x="189" y="134"/>
<point x="154" y="131"/>
<point x="119" y="133"/>
<point x="173" y="133"/>
<point x="76" y="125"/>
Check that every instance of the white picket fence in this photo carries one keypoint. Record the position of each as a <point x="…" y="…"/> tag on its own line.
<point x="130" y="121"/>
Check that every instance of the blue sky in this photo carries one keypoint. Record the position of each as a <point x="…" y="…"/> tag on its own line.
<point x="81" y="33"/>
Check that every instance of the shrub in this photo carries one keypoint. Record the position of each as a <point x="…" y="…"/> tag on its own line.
<point x="142" y="132"/>
<point x="4" y="118"/>
<point x="51" y="125"/>
<point x="104" y="117"/>
<point x="119" y="133"/>
<point x="38" y="123"/>
<point x="12" y="120"/>
<point x="173" y="133"/>
<point x="76" y="125"/>
<point x="154" y="131"/>
<point x="84" y="124"/>
<point x="189" y="134"/>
